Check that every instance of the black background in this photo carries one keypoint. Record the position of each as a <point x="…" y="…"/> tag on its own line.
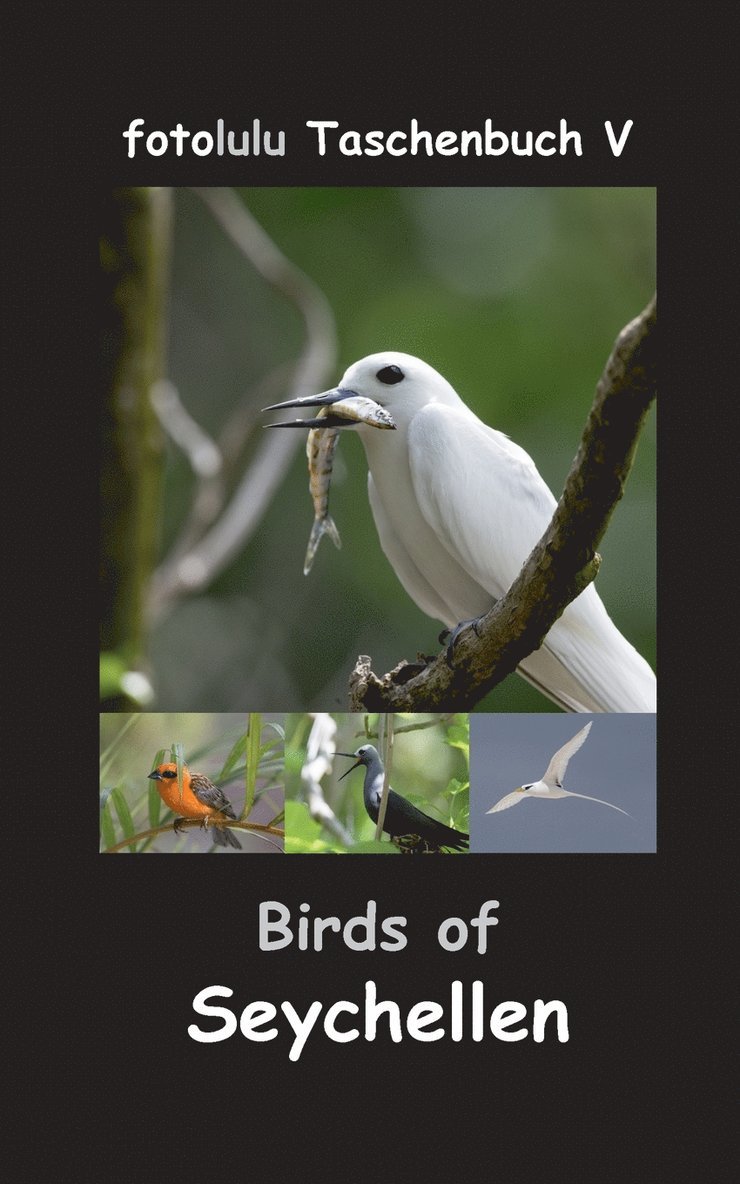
<point x="109" y="954"/>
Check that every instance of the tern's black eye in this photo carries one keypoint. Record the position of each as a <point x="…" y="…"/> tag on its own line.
<point x="390" y="375"/>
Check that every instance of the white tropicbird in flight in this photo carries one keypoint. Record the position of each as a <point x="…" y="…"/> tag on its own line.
<point x="551" y="785"/>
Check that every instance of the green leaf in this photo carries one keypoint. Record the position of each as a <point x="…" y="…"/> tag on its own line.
<point x="304" y="835"/>
<point x="297" y="846"/>
<point x="254" y="736"/>
<point x="299" y="733"/>
<point x="277" y="728"/>
<point x="104" y="796"/>
<point x="178" y="753"/>
<point x="458" y="736"/>
<point x="124" y="814"/>
<point x="154" y="803"/>
<point x="299" y="824"/>
<point x="372" y="847"/>
<point x="107" y="829"/>
<point x="158" y="759"/>
<point x="238" y="752"/>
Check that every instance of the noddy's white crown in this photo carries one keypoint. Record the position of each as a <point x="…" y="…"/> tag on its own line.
<point x="404" y="395"/>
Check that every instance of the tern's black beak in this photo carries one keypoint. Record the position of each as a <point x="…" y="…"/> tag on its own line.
<point x="323" y="400"/>
<point x="354" y="766"/>
<point x="155" y="776"/>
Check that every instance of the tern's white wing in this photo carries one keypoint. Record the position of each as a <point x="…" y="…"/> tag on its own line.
<point x="555" y="771"/>
<point x="511" y="799"/>
<point x="488" y="475"/>
<point x="413" y="580"/>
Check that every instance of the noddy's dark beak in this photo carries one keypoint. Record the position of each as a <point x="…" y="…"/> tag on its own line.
<point x="325" y="399"/>
<point x="354" y="766"/>
<point x="155" y="776"/>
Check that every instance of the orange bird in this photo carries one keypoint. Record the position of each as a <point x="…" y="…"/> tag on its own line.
<point x="200" y="799"/>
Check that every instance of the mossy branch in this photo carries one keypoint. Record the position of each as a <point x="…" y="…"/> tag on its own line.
<point x="187" y="824"/>
<point x="135" y="257"/>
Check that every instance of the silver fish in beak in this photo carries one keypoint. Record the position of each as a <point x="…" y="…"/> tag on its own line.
<point x="337" y="409"/>
<point x="320" y="448"/>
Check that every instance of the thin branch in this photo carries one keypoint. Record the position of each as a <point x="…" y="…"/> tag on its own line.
<point x="135" y="258"/>
<point x="426" y="723"/>
<point x="211" y="490"/>
<point x="187" y="824"/>
<point x="185" y="573"/>
<point x="562" y="564"/>
<point x="206" y="460"/>
<point x="201" y="451"/>
<point x="385" y="739"/>
<point x="241" y="423"/>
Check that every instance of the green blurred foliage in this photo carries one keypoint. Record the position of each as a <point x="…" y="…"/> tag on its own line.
<point x="429" y="766"/>
<point x="243" y="754"/>
<point x="515" y="295"/>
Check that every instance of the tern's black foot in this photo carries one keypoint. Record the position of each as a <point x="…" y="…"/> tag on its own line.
<point x="455" y="633"/>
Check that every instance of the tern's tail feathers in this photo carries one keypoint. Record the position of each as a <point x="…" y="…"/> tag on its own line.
<point x="320" y="527"/>
<point x="585" y="664"/>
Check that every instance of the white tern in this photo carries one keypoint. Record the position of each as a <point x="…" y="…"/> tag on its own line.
<point x="458" y="508"/>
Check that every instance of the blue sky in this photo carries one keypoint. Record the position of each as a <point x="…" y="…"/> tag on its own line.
<point x="616" y="763"/>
